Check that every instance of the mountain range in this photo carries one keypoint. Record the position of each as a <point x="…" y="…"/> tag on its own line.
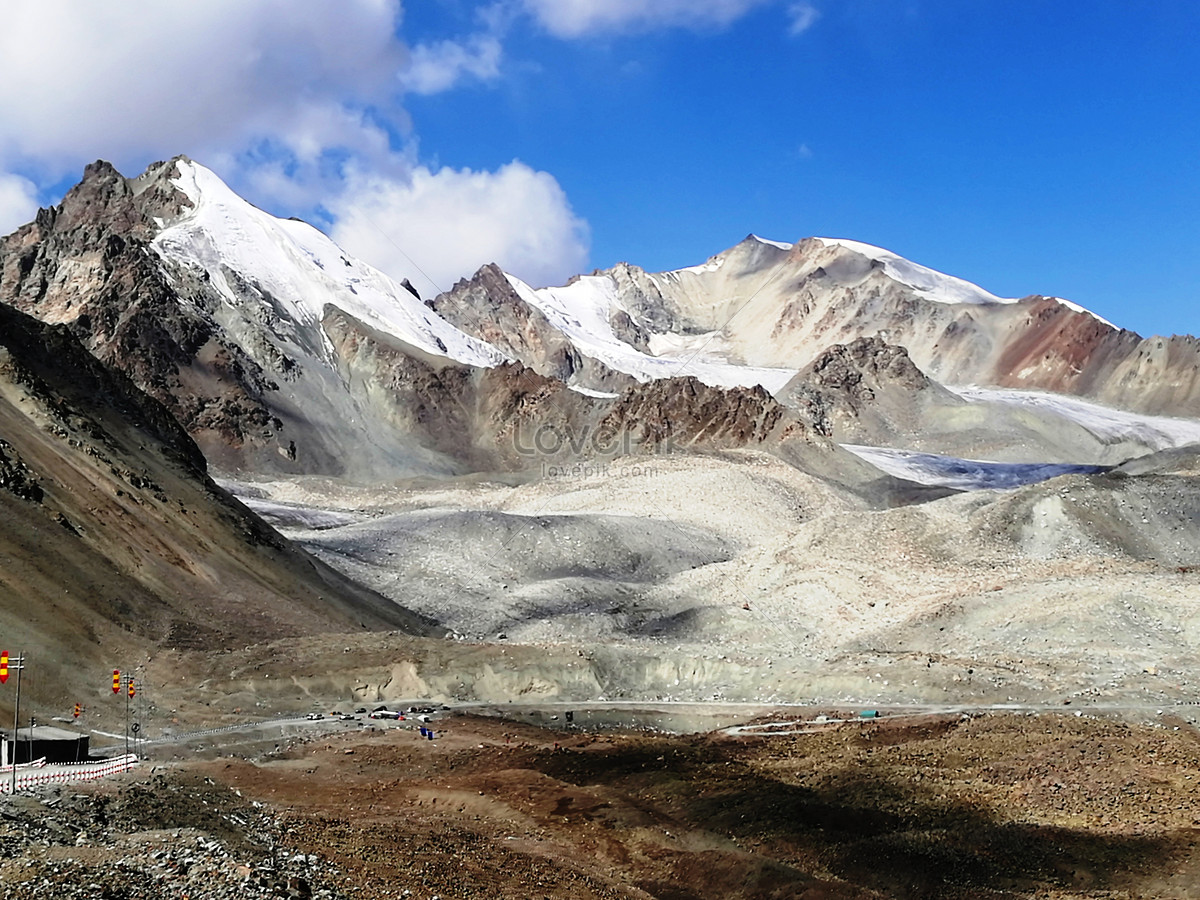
<point x="635" y="460"/>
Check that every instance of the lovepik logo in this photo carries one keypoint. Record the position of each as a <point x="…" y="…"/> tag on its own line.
<point x="556" y="440"/>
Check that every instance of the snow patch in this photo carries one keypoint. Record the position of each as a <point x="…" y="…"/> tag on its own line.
<point x="780" y="244"/>
<point x="931" y="284"/>
<point x="937" y="286"/>
<point x="1079" y="309"/>
<point x="301" y="269"/>
<point x="583" y="311"/>
<point x="711" y="265"/>
<point x="589" y="392"/>
<point x="709" y="346"/>
<point x="1108" y="424"/>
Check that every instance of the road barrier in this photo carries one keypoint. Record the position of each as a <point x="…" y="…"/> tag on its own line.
<point x="41" y="773"/>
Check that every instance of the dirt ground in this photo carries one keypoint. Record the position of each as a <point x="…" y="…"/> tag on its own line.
<point x="1045" y="806"/>
<point x="1003" y="806"/>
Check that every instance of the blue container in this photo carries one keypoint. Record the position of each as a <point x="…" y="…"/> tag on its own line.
<point x="869" y="714"/>
<point x="429" y="733"/>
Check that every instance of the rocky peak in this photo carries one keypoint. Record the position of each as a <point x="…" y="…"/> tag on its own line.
<point x="648" y="308"/>
<point x="106" y="202"/>
<point x="488" y="307"/>
<point x="88" y="264"/>
<point x="864" y="363"/>
<point x="99" y="205"/>
<point x="846" y="379"/>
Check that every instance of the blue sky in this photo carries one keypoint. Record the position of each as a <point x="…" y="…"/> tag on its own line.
<point x="1029" y="147"/>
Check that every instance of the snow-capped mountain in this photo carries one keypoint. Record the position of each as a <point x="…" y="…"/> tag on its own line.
<point x="273" y="348"/>
<point x="764" y="309"/>
<point x="279" y="352"/>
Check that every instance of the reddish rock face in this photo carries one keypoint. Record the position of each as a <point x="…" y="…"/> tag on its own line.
<point x="1058" y="349"/>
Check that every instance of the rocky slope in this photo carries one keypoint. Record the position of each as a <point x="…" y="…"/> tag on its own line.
<point x="869" y="392"/>
<point x="937" y="806"/>
<point x="115" y="539"/>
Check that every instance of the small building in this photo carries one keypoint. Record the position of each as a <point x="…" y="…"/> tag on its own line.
<point x="57" y="745"/>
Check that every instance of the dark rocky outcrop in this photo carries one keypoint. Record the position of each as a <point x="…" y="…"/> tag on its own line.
<point x="680" y="413"/>
<point x="87" y="264"/>
<point x="862" y="378"/>
<point x="16" y="477"/>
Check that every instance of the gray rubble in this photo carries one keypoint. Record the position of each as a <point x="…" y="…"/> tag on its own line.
<point x="151" y="839"/>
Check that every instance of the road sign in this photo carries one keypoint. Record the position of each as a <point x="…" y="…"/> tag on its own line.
<point x="4" y="667"/>
<point x="78" y="710"/>
<point x="116" y="681"/>
<point x="131" y="691"/>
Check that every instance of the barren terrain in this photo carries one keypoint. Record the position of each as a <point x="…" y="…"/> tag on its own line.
<point x="1048" y="806"/>
<point x="734" y="576"/>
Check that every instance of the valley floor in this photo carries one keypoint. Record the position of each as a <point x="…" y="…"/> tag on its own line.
<point x="738" y="577"/>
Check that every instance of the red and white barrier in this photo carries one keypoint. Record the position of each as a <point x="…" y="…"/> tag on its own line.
<point x="39" y="773"/>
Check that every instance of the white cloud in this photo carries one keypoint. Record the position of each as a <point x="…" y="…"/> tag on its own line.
<point x="434" y="68"/>
<point x="296" y="103"/>
<point x="452" y="221"/>
<point x="803" y="15"/>
<point x="575" y="18"/>
<point x="18" y="202"/>
<point x="297" y="170"/>
<point x="143" y="77"/>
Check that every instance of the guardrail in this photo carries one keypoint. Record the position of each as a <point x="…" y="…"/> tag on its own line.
<point x="42" y="773"/>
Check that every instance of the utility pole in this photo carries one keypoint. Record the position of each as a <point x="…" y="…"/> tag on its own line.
<point x="18" y="665"/>
<point x="138" y="702"/>
<point x="128" y="694"/>
<point x="139" y="710"/>
<point x="130" y="691"/>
